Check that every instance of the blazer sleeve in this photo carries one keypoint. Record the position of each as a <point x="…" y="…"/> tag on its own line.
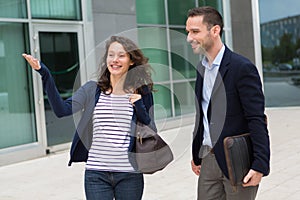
<point x="253" y="104"/>
<point x="144" y="108"/>
<point x="60" y="106"/>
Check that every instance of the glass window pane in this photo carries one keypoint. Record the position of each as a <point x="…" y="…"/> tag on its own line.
<point x="184" y="98"/>
<point x="162" y="101"/>
<point x="56" y="9"/>
<point x="13" y="9"/>
<point x="17" y="119"/>
<point x="213" y="3"/>
<point x="280" y="40"/>
<point x="184" y="61"/>
<point x="153" y="42"/>
<point x="178" y="9"/>
<point x="158" y="60"/>
<point x="150" y="12"/>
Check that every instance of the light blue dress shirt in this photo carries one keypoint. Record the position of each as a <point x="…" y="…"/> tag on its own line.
<point x="209" y="79"/>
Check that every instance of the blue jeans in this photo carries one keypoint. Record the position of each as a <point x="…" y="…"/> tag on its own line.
<point x="101" y="185"/>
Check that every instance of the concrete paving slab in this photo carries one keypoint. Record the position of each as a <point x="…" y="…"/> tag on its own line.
<point x="50" y="178"/>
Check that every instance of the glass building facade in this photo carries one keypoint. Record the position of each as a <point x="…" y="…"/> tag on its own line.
<point x="171" y="57"/>
<point x="51" y="30"/>
<point x="16" y="91"/>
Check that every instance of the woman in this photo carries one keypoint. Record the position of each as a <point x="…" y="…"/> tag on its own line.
<point x="109" y="110"/>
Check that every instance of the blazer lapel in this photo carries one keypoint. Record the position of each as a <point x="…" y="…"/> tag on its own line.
<point x="222" y="70"/>
<point x="199" y="80"/>
<point x="218" y="101"/>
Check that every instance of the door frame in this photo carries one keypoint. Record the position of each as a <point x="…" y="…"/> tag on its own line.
<point x="37" y="82"/>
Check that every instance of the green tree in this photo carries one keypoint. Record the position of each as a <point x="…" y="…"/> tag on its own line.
<point x="266" y="53"/>
<point x="285" y="52"/>
<point x="297" y="47"/>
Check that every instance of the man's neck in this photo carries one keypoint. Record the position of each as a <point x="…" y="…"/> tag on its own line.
<point x="212" y="54"/>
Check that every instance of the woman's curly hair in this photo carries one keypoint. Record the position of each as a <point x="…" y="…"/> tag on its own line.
<point x="139" y="74"/>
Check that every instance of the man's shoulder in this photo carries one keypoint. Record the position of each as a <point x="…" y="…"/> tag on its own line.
<point x="234" y="56"/>
<point x="236" y="60"/>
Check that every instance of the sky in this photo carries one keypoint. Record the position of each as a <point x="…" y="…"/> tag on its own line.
<point x="276" y="9"/>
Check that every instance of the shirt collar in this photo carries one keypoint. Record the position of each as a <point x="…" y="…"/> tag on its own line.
<point x="217" y="60"/>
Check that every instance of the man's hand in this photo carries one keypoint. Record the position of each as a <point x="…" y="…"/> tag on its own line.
<point x="253" y="178"/>
<point x="195" y="168"/>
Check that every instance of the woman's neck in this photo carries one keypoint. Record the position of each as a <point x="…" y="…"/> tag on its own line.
<point x="117" y="84"/>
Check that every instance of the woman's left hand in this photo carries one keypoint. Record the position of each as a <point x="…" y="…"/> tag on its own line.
<point x="134" y="97"/>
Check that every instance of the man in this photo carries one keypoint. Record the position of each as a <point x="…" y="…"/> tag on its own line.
<point x="229" y="102"/>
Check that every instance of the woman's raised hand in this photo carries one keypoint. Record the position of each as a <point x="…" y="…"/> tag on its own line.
<point x="33" y="62"/>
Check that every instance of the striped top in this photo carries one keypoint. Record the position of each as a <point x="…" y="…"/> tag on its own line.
<point x="111" y="134"/>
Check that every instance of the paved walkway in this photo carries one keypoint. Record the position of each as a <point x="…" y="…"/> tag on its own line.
<point x="49" y="178"/>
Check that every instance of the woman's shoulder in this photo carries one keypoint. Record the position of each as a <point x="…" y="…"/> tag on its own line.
<point x="145" y="89"/>
<point x="90" y="85"/>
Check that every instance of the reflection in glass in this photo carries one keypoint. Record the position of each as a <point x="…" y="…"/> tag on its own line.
<point x="280" y="40"/>
<point x="17" y="119"/>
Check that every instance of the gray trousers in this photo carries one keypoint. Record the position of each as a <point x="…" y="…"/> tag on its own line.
<point x="213" y="185"/>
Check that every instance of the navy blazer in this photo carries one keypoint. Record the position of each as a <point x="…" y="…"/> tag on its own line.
<point x="237" y="106"/>
<point x="82" y="105"/>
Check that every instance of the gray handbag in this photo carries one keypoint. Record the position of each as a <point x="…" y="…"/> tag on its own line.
<point x="152" y="153"/>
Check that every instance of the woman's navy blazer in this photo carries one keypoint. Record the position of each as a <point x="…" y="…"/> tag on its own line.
<point x="82" y="105"/>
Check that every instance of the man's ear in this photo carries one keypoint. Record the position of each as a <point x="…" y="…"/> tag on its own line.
<point x="216" y="30"/>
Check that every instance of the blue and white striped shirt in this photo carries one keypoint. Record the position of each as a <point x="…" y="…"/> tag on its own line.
<point x="111" y="134"/>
